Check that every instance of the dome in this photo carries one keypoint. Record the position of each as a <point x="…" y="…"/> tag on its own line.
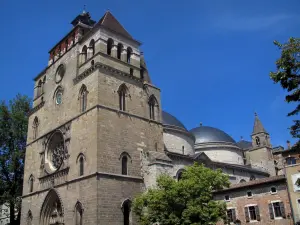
<point x="205" y="134"/>
<point x="169" y="120"/>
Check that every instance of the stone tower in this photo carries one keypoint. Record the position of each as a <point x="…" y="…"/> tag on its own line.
<point x="260" y="156"/>
<point x="96" y="117"/>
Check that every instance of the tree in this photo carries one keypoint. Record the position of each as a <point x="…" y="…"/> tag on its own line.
<point x="288" y="75"/>
<point x="188" y="201"/>
<point x="13" y="135"/>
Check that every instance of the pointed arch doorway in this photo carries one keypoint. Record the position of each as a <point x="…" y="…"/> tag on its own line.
<point x="52" y="212"/>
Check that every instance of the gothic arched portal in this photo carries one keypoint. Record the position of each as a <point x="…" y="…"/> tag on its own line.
<point x="52" y="210"/>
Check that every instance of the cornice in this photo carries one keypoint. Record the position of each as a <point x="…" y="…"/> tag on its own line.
<point x="107" y="68"/>
<point x="35" y="109"/>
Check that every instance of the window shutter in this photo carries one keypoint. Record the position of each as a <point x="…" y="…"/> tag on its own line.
<point x="271" y="211"/>
<point x="257" y="213"/>
<point x="233" y="215"/>
<point x="247" y="214"/>
<point x="282" y="210"/>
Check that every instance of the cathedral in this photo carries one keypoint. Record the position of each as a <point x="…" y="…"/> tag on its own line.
<point x="97" y="134"/>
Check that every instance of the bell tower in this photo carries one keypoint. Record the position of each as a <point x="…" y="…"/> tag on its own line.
<point x="260" y="156"/>
<point x="260" y="137"/>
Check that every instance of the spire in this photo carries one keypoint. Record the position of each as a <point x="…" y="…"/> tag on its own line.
<point x="258" y="127"/>
<point x="110" y="22"/>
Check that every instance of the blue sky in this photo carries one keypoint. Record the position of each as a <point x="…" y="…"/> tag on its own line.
<point x="211" y="58"/>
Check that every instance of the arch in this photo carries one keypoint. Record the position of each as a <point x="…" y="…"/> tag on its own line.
<point x="43" y="84"/>
<point x="119" y="50"/>
<point x="179" y="174"/>
<point x="78" y="213"/>
<point x="81" y="159"/>
<point x="39" y="88"/>
<point x="110" y="44"/>
<point x="83" y="98"/>
<point x="125" y="158"/>
<point x="123" y="90"/>
<point x="30" y="183"/>
<point x="84" y="54"/>
<point x="242" y="181"/>
<point x="35" y="126"/>
<point x="52" y="210"/>
<point x="126" y="209"/>
<point x="58" y="93"/>
<point x="29" y="217"/>
<point x="129" y="53"/>
<point x="55" y="152"/>
<point x="92" y="47"/>
<point x="252" y="177"/>
<point x="257" y="141"/>
<point x="153" y="107"/>
<point x="60" y="72"/>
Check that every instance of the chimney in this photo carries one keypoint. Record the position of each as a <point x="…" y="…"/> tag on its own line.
<point x="242" y="138"/>
<point x="288" y="144"/>
<point x="200" y="124"/>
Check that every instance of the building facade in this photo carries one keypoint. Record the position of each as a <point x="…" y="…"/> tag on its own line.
<point x="97" y="134"/>
<point x="288" y="163"/>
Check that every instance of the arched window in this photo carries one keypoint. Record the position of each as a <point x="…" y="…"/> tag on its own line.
<point x="122" y="97"/>
<point x="126" y="208"/>
<point x="124" y="165"/>
<point x="153" y="107"/>
<point x="78" y="214"/>
<point x="119" y="51"/>
<point x="179" y="174"/>
<point x="129" y="52"/>
<point x="83" y="98"/>
<point x="43" y="84"/>
<point x="39" y="88"/>
<point x="92" y="47"/>
<point x="110" y="43"/>
<point x="252" y="177"/>
<point x="242" y="181"/>
<point x="257" y="140"/>
<point x="84" y="54"/>
<point x="183" y="150"/>
<point x="30" y="183"/>
<point x="29" y="218"/>
<point x="66" y="44"/>
<point x="81" y="166"/>
<point x="35" y="127"/>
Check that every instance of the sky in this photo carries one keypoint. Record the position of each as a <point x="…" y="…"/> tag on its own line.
<point x="210" y="58"/>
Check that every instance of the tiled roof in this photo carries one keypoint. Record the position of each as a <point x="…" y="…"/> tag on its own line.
<point x="110" y="22"/>
<point x="255" y="182"/>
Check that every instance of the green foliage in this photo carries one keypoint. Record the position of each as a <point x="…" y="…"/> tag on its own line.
<point x="288" y="75"/>
<point x="188" y="201"/>
<point x="13" y="135"/>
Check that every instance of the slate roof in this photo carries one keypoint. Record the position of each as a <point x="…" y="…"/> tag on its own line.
<point x="171" y="120"/>
<point x="110" y="22"/>
<point x="258" y="127"/>
<point x="245" y="145"/>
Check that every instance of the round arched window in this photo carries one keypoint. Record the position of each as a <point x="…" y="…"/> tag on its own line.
<point x="55" y="152"/>
<point x="58" y="97"/>
<point x="60" y="72"/>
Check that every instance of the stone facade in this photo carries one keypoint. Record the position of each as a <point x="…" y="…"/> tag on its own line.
<point x="97" y="136"/>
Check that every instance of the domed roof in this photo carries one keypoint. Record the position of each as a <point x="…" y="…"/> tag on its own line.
<point x="205" y="134"/>
<point x="169" y="120"/>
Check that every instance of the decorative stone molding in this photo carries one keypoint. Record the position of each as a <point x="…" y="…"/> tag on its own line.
<point x="58" y="158"/>
<point x="38" y="107"/>
<point x="56" y="178"/>
<point x="101" y="66"/>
